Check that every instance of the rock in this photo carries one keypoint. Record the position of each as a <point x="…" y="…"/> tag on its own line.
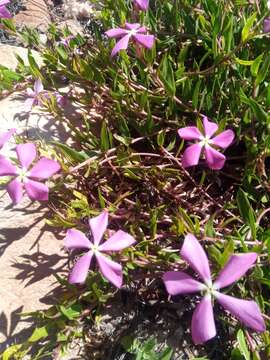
<point x="36" y="15"/>
<point x="30" y="251"/>
<point x="74" y="26"/>
<point x="8" y="56"/>
<point x="30" y="255"/>
<point x="76" y="9"/>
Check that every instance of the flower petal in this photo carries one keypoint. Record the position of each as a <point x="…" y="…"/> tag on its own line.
<point x="121" y="45"/>
<point x="209" y="127"/>
<point x="190" y="133"/>
<point x="115" y="33"/>
<point x="15" y="190"/>
<point x="75" y="239"/>
<point x="26" y="154"/>
<point x="134" y="26"/>
<point x="224" y="139"/>
<point x="117" y="242"/>
<point x="4" y="13"/>
<point x="29" y="103"/>
<point x="203" y="323"/>
<point x="44" y="168"/>
<point x="6" y="167"/>
<point x="234" y="269"/>
<point x="38" y="87"/>
<point x="98" y="225"/>
<point x="194" y="254"/>
<point x="214" y="159"/>
<point x="142" y="4"/>
<point x="36" y="190"/>
<point x="247" y="311"/>
<point x="142" y="30"/>
<point x="5" y="136"/>
<point x="191" y="155"/>
<point x="266" y="25"/>
<point x="30" y="92"/>
<point x="178" y="282"/>
<point x="4" y="2"/>
<point x="110" y="269"/>
<point x="79" y="272"/>
<point x="146" y="41"/>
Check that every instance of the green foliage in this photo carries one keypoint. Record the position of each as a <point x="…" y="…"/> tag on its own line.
<point x="146" y="350"/>
<point x="210" y="57"/>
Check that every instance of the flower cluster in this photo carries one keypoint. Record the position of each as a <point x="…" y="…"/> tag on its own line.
<point x="176" y="282"/>
<point x="27" y="173"/>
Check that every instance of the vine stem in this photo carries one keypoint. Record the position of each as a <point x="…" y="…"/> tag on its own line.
<point x="220" y="206"/>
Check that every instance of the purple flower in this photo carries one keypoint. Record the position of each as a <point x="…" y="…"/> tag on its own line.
<point x="111" y="270"/>
<point x="142" y="4"/>
<point x="5" y="136"/>
<point x="60" y="99"/>
<point x="34" y="95"/>
<point x="266" y="25"/>
<point x="203" y="323"/>
<point x="133" y="32"/>
<point x="214" y="159"/>
<point x="25" y="178"/>
<point x="65" y="41"/>
<point x="4" y="13"/>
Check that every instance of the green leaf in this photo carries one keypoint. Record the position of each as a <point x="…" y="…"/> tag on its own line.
<point x="167" y="75"/>
<point x="258" y="111"/>
<point x="71" y="312"/>
<point x="38" y="334"/>
<point x="248" y="25"/>
<point x="105" y="137"/>
<point x="10" y="351"/>
<point x="256" y="64"/>
<point x="244" y="62"/>
<point x="243" y="345"/>
<point x="71" y="153"/>
<point x="263" y="71"/>
<point x="246" y="211"/>
<point x="166" y="354"/>
<point x="34" y="66"/>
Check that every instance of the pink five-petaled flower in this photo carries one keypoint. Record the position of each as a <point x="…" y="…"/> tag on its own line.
<point x="25" y="178"/>
<point x="4" y="13"/>
<point x="214" y="159"/>
<point x="111" y="270"/>
<point x="5" y="136"/>
<point x="34" y="95"/>
<point x="142" y="4"/>
<point x="134" y="32"/>
<point x="203" y="324"/>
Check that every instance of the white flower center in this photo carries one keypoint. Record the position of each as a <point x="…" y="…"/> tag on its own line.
<point x="206" y="141"/>
<point x="94" y="248"/>
<point x="132" y="32"/>
<point x="210" y="289"/>
<point x="22" y="174"/>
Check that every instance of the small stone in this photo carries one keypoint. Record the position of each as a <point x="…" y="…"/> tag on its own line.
<point x="36" y="15"/>
<point x="8" y="56"/>
<point x="74" y="26"/>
